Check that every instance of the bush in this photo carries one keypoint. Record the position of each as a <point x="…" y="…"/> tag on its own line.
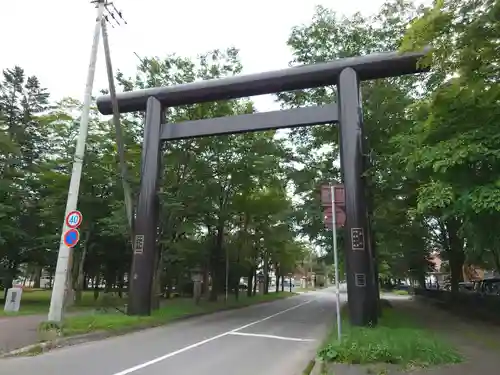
<point x="396" y="339"/>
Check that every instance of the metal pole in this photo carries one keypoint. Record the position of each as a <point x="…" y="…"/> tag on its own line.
<point x="336" y="263"/>
<point x="63" y="266"/>
<point x="118" y="129"/>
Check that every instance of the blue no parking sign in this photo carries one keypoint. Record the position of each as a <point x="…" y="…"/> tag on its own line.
<point x="71" y="237"/>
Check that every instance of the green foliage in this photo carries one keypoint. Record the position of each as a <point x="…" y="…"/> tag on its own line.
<point x="397" y="340"/>
<point x="399" y="235"/>
<point x="433" y="139"/>
<point x="432" y="157"/>
<point x="219" y="196"/>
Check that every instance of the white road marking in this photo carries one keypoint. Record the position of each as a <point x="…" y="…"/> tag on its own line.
<point x="197" y="344"/>
<point x="270" y="336"/>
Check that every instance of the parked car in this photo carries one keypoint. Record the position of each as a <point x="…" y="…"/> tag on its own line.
<point x="488" y="286"/>
<point x="466" y="287"/>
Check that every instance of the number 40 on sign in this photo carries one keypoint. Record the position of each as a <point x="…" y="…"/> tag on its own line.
<point x="74" y="219"/>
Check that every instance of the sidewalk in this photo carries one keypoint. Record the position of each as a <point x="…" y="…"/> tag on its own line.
<point x="19" y="331"/>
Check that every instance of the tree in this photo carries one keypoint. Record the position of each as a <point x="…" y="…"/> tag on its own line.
<point x="455" y="144"/>
<point x="385" y="102"/>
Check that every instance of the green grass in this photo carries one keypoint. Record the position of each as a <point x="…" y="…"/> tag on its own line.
<point x="400" y="292"/>
<point x="397" y="339"/>
<point x="37" y="301"/>
<point x="172" y="309"/>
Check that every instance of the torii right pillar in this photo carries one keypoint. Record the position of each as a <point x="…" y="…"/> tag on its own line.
<point x="362" y="299"/>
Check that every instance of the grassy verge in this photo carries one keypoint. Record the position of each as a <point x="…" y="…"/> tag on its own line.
<point x="172" y="310"/>
<point x="397" y="339"/>
<point x="400" y="292"/>
<point x="37" y="301"/>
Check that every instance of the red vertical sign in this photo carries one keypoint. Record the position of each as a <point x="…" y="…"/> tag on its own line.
<point x="326" y="201"/>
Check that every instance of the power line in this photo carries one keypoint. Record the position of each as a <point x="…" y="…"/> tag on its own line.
<point x="115" y="14"/>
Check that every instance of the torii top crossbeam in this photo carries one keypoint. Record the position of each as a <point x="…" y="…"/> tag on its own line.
<point x="373" y="66"/>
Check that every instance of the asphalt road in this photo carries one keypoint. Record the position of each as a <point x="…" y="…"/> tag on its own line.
<point x="277" y="338"/>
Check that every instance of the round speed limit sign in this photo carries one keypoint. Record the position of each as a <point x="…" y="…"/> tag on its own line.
<point x="74" y="219"/>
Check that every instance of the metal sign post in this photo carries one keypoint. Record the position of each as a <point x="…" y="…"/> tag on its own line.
<point x="336" y="261"/>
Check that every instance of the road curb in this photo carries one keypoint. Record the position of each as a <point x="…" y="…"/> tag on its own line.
<point x="42" y="347"/>
<point x="318" y="367"/>
<point x="314" y="367"/>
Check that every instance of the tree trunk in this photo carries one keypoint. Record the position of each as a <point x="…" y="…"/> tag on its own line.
<point x="254" y="292"/>
<point x="250" y="282"/>
<point x="456" y="253"/>
<point x="121" y="283"/>
<point x="156" y="289"/>
<point x="96" y="286"/>
<point x="109" y="278"/>
<point x="80" y="275"/>
<point x="205" y="290"/>
<point x="266" y="272"/>
<point x="421" y="281"/>
<point x="169" y="289"/>
<point x="216" y="262"/>
<point x="237" y="276"/>
<point x="37" y="277"/>
<point x="496" y="259"/>
<point x="7" y="284"/>
<point x="278" y="272"/>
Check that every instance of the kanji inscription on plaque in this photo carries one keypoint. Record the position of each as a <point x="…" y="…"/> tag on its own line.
<point x="357" y="238"/>
<point x="139" y="244"/>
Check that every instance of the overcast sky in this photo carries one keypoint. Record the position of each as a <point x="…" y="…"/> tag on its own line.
<point x="52" y="38"/>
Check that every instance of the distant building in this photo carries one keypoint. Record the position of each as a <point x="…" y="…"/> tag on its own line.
<point x="440" y="276"/>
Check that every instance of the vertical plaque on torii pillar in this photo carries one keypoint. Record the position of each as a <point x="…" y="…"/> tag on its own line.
<point x="357" y="239"/>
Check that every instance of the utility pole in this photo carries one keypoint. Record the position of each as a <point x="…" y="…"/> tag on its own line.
<point x="63" y="267"/>
<point x="127" y="192"/>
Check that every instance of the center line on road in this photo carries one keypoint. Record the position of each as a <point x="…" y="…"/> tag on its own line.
<point x="270" y="336"/>
<point x="199" y="343"/>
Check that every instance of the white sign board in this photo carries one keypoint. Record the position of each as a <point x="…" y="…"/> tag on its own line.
<point x="13" y="300"/>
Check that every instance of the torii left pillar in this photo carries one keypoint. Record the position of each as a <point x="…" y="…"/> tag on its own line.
<point x="146" y="222"/>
